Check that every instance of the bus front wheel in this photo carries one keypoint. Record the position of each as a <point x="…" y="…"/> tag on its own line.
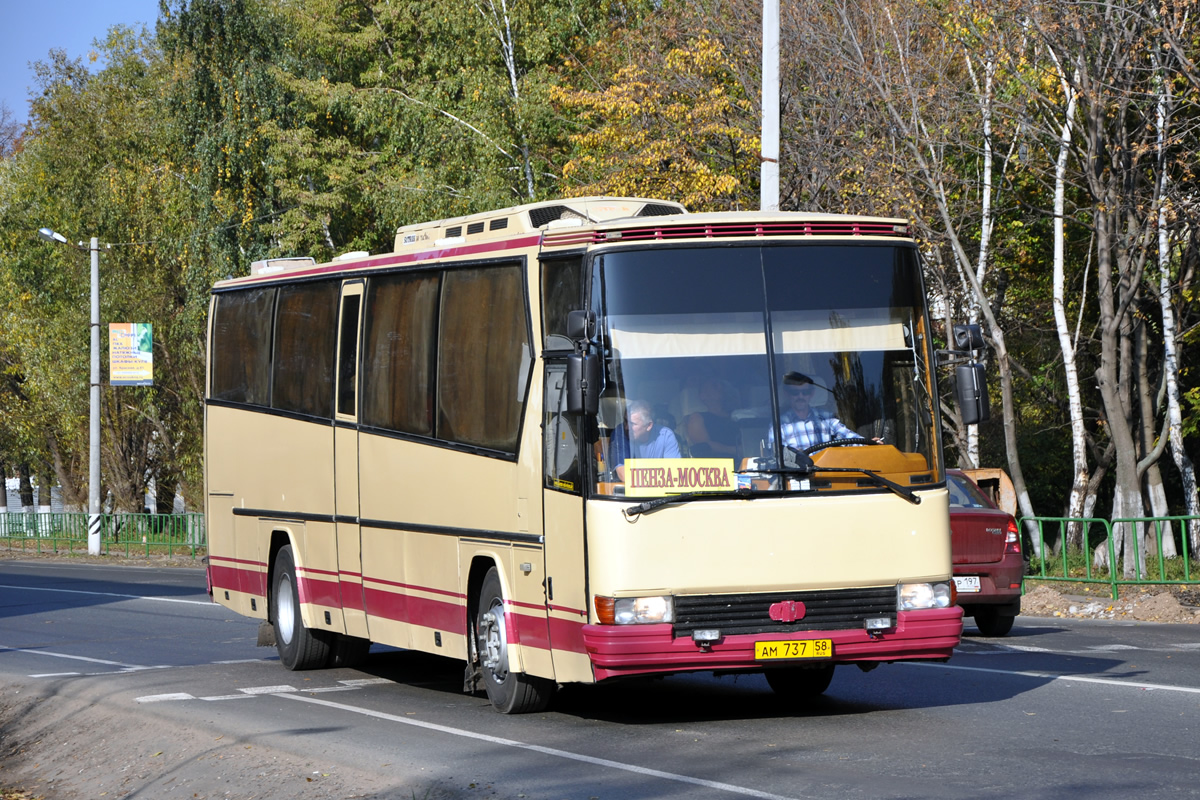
<point x="800" y="683"/>
<point x="509" y="692"/>
<point x="299" y="647"/>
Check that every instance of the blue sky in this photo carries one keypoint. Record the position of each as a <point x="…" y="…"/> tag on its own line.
<point x="29" y="29"/>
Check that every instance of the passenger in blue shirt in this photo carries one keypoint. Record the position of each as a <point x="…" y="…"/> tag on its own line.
<point x="640" y="437"/>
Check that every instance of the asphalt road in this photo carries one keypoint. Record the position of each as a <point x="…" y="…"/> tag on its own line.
<point x="1057" y="709"/>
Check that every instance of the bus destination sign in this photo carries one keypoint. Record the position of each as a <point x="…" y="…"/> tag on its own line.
<point x="656" y="477"/>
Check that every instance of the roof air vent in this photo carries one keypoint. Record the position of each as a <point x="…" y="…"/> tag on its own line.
<point x="540" y="216"/>
<point x="658" y="210"/>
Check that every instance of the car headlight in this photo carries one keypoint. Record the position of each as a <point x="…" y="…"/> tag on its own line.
<point x="635" y="610"/>
<point x="911" y="596"/>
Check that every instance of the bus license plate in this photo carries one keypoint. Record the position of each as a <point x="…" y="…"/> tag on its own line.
<point x="967" y="583"/>
<point x="805" y="648"/>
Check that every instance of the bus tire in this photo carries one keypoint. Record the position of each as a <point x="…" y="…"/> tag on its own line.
<point x="348" y="651"/>
<point x="298" y="646"/>
<point x="800" y="683"/>
<point x="509" y="692"/>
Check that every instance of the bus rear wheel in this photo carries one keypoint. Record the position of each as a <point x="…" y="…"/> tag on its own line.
<point x="299" y="647"/>
<point x="348" y="651"/>
<point x="800" y="683"/>
<point x="509" y="692"/>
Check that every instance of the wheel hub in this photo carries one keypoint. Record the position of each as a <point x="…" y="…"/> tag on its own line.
<point x="285" y="611"/>
<point x="494" y="642"/>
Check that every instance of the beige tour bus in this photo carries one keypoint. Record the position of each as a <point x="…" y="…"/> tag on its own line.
<point x="580" y="440"/>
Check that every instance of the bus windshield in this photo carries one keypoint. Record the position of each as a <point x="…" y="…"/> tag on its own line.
<point x="793" y="368"/>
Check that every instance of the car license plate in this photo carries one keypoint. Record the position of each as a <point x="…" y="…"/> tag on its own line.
<point x="805" y="648"/>
<point x="967" y="583"/>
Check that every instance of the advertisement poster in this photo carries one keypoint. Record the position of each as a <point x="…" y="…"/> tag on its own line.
<point x="130" y="354"/>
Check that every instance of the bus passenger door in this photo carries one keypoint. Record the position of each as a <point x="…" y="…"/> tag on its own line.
<point x="345" y="457"/>
<point x="562" y="502"/>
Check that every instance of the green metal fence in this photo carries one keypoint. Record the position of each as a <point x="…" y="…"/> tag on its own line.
<point x="130" y="534"/>
<point x="1075" y="564"/>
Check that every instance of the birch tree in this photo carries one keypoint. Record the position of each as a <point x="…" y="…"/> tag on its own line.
<point x="1099" y="48"/>
<point x="883" y="51"/>
<point x="1067" y="342"/>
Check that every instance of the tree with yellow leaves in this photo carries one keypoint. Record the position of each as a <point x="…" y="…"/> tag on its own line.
<point x="675" y="124"/>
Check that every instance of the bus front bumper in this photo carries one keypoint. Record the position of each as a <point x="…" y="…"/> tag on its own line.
<point x="622" y="650"/>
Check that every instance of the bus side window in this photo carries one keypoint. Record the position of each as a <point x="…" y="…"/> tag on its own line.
<point x="561" y="445"/>
<point x="305" y="331"/>
<point x="348" y="355"/>
<point x="562" y="291"/>
<point x="241" y="347"/>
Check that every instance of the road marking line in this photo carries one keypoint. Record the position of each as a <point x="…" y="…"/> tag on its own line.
<point x="267" y="689"/>
<point x="365" y="682"/>
<point x="550" y="751"/>
<point x="159" y="698"/>
<point x="4" y="649"/>
<point x="1054" y="677"/>
<point x="1111" y="647"/>
<point x="54" y="675"/>
<point x="114" y="594"/>
<point x="228" y="697"/>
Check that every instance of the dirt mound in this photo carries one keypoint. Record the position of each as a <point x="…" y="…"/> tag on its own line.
<point x="1159" y="606"/>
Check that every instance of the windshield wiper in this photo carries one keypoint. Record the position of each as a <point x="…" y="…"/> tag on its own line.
<point x="806" y="466"/>
<point x="633" y="512"/>
<point x="901" y="491"/>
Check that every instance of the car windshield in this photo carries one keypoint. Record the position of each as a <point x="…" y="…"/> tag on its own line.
<point x="763" y="362"/>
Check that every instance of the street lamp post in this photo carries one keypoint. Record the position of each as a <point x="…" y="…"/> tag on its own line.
<point x="769" y="171"/>
<point x="94" y="394"/>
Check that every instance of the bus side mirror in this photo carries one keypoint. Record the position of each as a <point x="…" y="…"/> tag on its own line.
<point x="968" y="337"/>
<point x="971" y="388"/>
<point x="583" y="383"/>
<point x="581" y="326"/>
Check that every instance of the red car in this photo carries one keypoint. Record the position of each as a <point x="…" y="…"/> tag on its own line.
<point x="986" y="547"/>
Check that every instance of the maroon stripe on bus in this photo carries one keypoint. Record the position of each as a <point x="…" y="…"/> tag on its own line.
<point x="352" y="596"/>
<point x="412" y="587"/>
<point x="567" y="634"/>
<point x="527" y="630"/>
<point x="426" y="612"/>
<point x="238" y="580"/>
<point x="226" y="559"/>
<point x="567" y="609"/>
<point x="302" y="570"/>
<point x="317" y="591"/>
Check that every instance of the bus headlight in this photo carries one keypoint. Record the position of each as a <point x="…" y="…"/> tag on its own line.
<point x="635" y="610"/>
<point x="910" y="596"/>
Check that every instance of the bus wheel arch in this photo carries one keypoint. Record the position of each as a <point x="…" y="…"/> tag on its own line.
<point x="510" y="692"/>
